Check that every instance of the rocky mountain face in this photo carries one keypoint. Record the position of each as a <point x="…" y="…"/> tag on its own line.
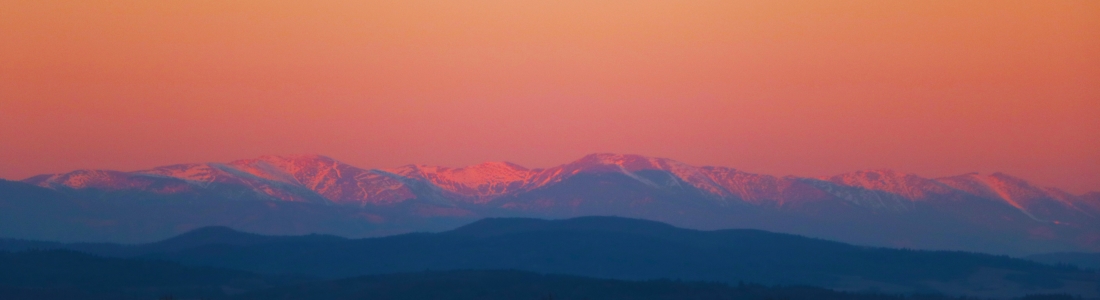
<point x="992" y="213"/>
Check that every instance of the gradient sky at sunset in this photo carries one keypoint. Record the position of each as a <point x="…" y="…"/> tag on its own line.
<point x="806" y="88"/>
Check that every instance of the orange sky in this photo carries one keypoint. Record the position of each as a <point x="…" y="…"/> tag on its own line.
<point x="805" y="88"/>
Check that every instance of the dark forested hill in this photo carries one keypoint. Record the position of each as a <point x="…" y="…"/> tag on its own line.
<point x="628" y="249"/>
<point x="61" y="274"/>
<point x="510" y="284"/>
<point x="1080" y="259"/>
<point x="65" y="275"/>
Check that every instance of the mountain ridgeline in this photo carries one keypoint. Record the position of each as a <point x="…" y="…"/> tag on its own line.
<point x="287" y="195"/>
<point x="614" y="248"/>
<point x="611" y="248"/>
<point x="65" y="275"/>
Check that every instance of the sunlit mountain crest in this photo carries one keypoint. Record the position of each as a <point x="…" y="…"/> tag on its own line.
<point x="295" y="178"/>
<point x="994" y="213"/>
<point x="478" y="183"/>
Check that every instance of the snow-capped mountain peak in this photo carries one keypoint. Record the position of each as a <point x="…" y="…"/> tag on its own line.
<point x="481" y="182"/>
<point x="320" y="178"/>
<point x="629" y="162"/>
<point x="909" y="186"/>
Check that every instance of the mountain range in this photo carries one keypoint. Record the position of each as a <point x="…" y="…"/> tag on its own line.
<point x="995" y="213"/>
<point x="64" y="275"/>
<point x="599" y="247"/>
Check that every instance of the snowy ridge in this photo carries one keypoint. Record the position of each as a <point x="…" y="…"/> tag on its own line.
<point x="748" y="187"/>
<point x="1037" y="203"/>
<point x="338" y="182"/>
<point x="209" y="175"/>
<point x="315" y="178"/>
<point x="479" y="183"/>
<point x="110" y="181"/>
<point x="909" y="186"/>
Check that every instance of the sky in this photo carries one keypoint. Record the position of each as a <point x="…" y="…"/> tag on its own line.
<point x="808" y="88"/>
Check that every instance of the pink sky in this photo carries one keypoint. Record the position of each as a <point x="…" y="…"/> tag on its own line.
<point x="805" y="88"/>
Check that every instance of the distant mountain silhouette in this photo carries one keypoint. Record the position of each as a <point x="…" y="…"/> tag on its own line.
<point x="36" y="213"/>
<point x="301" y="194"/>
<point x="630" y="249"/>
<point x="202" y="237"/>
<point x="64" y="275"/>
<point x="1080" y="259"/>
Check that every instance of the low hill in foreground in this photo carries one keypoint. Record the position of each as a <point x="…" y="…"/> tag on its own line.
<point x="624" y="249"/>
<point x="1080" y="259"/>
<point x="510" y="284"/>
<point x="56" y="275"/>
<point x="61" y="274"/>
